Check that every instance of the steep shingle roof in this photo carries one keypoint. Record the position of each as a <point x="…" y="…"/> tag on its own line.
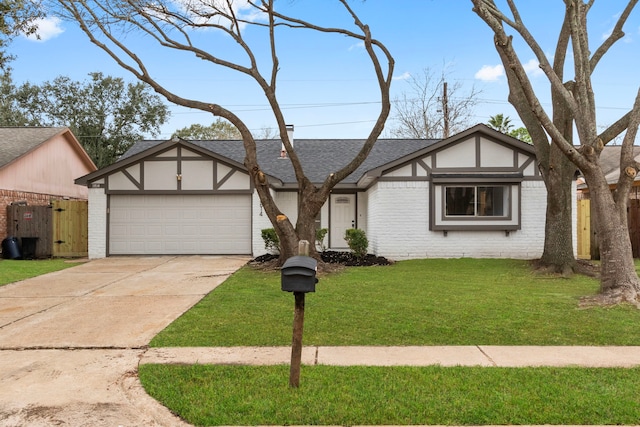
<point x="15" y="142"/>
<point x="319" y="157"/>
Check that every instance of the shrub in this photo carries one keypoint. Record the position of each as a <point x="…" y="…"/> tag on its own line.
<point x="320" y="235"/>
<point x="271" y="241"/>
<point x="357" y="241"/>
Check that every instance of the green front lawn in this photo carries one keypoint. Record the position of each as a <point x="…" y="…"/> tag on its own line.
<point x="16" y="270"/>
<point x="420" y="302"/>
<point x="329" y="395"/>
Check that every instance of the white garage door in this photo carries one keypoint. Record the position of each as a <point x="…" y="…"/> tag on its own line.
<point x="180" y="225"/>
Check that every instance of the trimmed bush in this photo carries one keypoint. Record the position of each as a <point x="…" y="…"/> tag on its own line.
<point x="271" y="240"/>
<point x="320" y="235"/>
<point x="357" y="241"/>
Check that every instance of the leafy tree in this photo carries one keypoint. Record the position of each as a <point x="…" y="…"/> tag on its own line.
<point x="521" y="133"/>
<point x="502" y="123"/>
<point x="219" y="129"/>
<point x="16" y="16"/>
<point x="174" y="26"/>
<point x="105" y="114"/>
<point x="10" y="114"/>
<point x="432" y="108"/>
<point x="573" y="101"/>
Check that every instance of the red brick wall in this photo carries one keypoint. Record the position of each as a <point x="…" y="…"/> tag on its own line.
<point x="9" y="196"/>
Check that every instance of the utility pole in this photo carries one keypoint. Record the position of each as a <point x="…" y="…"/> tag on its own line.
<point x="445" y="112"/>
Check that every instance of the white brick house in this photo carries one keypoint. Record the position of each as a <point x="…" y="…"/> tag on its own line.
<point x="475" y="194"/>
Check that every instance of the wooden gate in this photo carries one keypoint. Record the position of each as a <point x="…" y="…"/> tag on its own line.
<point x="59" y="230"/>
<point x="584" y="229"/>
<point x="31" y="224"/>
<point x="70" y="228"/>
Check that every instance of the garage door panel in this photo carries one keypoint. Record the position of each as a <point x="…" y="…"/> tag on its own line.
<point x="158" y="225"/>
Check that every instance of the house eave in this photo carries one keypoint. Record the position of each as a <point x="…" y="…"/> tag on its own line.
<point x="136" y="158"/>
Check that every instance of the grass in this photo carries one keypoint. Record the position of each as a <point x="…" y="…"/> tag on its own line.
<point x="420" y="302"/>
<point x="16" y="270"/>
<point x="245" y="395"/>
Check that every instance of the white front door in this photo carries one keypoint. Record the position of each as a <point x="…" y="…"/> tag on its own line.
<point x="342" y="217"/>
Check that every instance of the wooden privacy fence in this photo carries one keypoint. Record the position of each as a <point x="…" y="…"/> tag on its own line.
<point x="587" y="241"/>
<point x="58" y="230"/>
<point x="584" y="229"/>
<point x="633" y="216"/>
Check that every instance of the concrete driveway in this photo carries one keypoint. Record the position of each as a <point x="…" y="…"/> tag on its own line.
<point x="70" y="341"/>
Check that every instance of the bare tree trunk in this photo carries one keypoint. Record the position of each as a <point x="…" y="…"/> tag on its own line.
<point x="575" y="101"/>
<point x="618" y="278"/>
<point x="311" y="202"/>
<point x="558" y="243"/>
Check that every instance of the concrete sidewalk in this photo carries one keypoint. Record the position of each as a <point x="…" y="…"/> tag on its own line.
<point x="487" y="356"/>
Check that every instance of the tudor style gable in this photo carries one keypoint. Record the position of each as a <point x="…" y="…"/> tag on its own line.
<point x="173" y="168"/>
<point x="475" y="179"/>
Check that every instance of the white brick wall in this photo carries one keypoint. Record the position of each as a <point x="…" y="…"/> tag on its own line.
<point x="97" y="223"/>
<point x="398" y="219"/>
<point x="260" y="221"/>
<point x="399" y="226"/>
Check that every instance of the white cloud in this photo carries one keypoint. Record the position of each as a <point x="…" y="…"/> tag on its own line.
<point x="359" y="45"/>
<point x="404" y="76"/>
<point x="241" y="9"/>
<point x="48" y="28"/>
<point x="490" y="73"/>
<point x="533" y="68"/>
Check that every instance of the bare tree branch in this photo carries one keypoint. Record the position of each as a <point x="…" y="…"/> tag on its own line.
<point x="616" y="33"/>
<point x="172" y="25"/>
<point x="628" y="167"/>
<point x="419" y="113"/>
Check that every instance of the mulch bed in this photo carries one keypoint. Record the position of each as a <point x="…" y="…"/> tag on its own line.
<point x="331" y="261"/>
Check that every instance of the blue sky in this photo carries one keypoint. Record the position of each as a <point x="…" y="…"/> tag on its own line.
<point x="326" y="85"/>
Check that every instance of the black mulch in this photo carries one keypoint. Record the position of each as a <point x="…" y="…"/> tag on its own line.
<point x="335" y="257"/>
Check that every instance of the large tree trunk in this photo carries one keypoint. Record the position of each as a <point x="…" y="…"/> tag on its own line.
<point x="618" y="278"/>
<point x="311" y="201"/>
<point x="558" y="243"/>
<point x="558" y="176"/>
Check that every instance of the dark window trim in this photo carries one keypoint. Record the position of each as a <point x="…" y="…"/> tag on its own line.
<point x="506" y="217"/>
<point x="474" y="223"/>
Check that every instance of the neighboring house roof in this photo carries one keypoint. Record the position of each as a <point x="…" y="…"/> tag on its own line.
<point x="610" y="161"/>
<point x="610" y="164"/>
<point x="16" y="142"/>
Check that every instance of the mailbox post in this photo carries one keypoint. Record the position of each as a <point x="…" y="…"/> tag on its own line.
<point x="298" y="275"/>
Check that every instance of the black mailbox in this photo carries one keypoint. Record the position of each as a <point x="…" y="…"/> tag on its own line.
<point x="299" y="274"/>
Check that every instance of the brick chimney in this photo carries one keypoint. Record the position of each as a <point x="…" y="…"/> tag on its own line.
<point x="283" y="150"/>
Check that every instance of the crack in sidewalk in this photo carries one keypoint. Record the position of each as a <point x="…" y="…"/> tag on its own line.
<point x="493" y="363"/>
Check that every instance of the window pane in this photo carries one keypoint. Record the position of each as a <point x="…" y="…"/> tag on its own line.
<point x="460" y="201"/>
<point x="491" y="201"/>
<point x="477" y="201"/>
